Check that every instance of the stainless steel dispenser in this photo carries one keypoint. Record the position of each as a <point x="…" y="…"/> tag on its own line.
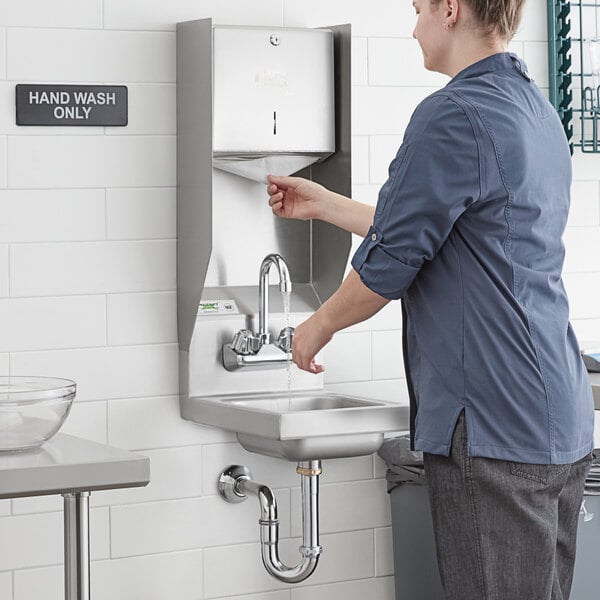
<point x="253" y="100"/>
<point x="273" y="99"/>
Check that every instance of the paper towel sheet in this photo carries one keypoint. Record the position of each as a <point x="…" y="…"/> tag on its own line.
<point x="257" y="168"/>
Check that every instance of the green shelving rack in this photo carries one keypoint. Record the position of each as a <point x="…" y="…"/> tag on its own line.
<point x="573" y="35"/>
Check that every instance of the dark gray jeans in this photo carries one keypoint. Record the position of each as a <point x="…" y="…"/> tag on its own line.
<point x="503" y="530"/>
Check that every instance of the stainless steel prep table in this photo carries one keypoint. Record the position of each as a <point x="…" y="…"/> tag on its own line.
<point x="72" y="467"/>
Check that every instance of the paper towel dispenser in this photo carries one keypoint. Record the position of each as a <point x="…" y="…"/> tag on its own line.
<point x="257" y="100"/>
<point x="273" y="99"/>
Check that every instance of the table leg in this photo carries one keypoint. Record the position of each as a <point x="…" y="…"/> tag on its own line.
<point x="77" y="546"/>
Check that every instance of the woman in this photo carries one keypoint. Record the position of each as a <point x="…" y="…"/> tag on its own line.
<point x="467" y="231"/>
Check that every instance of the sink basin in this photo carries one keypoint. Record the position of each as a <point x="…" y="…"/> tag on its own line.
<point x="300" y="425"/>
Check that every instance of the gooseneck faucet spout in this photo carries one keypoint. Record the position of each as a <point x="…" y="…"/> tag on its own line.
<point x="248" y="349"/>
<point x="285" y="285"/>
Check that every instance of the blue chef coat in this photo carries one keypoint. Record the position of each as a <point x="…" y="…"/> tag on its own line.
<point x="467" y="231"/>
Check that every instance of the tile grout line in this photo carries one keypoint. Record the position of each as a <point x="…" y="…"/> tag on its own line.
<point x="5" y="144"/>
<point x="110" y="545"/>
<point x="106" y="337"/>
<point x="368" y="69"/>
<point x="8" y="249"/>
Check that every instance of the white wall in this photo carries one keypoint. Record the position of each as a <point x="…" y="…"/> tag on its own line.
<point x="87" y="291"/>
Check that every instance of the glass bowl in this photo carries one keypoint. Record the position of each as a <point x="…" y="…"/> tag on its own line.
<point x="32" y="410"/>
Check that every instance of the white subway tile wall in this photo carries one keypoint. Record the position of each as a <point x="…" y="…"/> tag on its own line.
<point x="104" y="373"/>
<point x="74" y="215"/>
<point x="583" y="294"/>
<point x="346" y="556"/>
<point x="365" y="193"/>
<point x="585" y="205"/>
<point x="53" y="322"/>
<point x="4" y="363"/>
<point x="64" y="13"/>
<point x="379" y="18"/>
<point x="387" y="355"/>
<point x="360" y="159"/>
<point x="76" y="161"/>
<point x="3" y="51"/>
<point x="88" y="420"/>
<point x="399" y="62"/>
<point x="142" y="318"/>
<point x="139" y="423"/>
<point x="381" y="588"/>
<point x="360" y="65"/>
<point x="139" y="14"/>
<point x="585" y="167"/>
<point x="188" y="523"/>
<point x="348" y="357"/>
<point x="4" y="270"/>
<point x="582" y="249"/>
<point x="3" y="161"/>
<point x="124" y="207"/>
<point x="153" y="577"/>
<point x="151" y="110"/>
<point x="533" y="24"/>
<point x="384" y="110"/>
<point x="384" y="552"/>
<point x="383" y="149"/>
<point x="6" y="585"/>
<point x="587" y="330"/>
<point x="92" y="267"/>
<point x="87" y="291"/>
<point x="535" y="55"/>
<point x="36" y="540"/>
<point x="90" y="55"/>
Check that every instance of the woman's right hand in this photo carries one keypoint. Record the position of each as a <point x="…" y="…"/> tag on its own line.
<point x="295" y="197"/>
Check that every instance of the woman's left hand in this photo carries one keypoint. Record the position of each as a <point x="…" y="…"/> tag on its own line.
<point x="309" y="338"/>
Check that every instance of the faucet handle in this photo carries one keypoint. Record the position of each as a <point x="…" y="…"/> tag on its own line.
<point x="244" y="342"/>
<point x="284" y="340"/>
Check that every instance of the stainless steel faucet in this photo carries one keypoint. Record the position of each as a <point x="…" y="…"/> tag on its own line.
<point x="250" y="350"/>
<point x="285" y="286"/>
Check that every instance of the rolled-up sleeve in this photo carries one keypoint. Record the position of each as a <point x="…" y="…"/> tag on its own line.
<point x="432" y="181"/>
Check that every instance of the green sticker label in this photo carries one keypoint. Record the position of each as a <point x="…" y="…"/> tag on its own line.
<point x="218" y="307"/>
<point x="204" y="306"/>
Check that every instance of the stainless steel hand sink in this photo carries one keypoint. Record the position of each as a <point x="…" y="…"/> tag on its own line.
<point x="301" y="425"/>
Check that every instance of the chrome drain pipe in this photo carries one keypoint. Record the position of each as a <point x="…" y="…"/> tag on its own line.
<point x="236" y="482"/>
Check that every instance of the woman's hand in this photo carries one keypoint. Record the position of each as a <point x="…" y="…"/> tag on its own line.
<point x="309" y="338"/>
<point x="296" y="198"/>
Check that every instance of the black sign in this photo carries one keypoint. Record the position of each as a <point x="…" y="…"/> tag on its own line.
<point x="82" y="105"/>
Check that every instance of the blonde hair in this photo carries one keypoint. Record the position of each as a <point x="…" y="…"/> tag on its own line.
<point x="500" y="17"/>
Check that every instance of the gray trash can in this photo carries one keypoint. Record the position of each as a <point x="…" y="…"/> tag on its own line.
<point x="585" y="579"/>
<point x="415" y="564"/>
